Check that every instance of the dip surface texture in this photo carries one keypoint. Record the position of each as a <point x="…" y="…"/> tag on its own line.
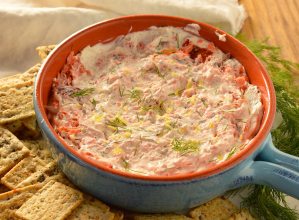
<point x="163" y="101"/>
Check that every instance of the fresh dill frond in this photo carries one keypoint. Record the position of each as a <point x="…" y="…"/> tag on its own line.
<point x="82" y="92"/>
<point x="158" y="72"/>
<point x="121" y="91"/>
<point x="185" y="146"/>
<point x="116" y="123"/>
<point x="263" y="201"/>
<point x="135" y="93"/>
<point x="286" y="136"/>
<point x="179" y="92"/>
<point x="279" y="69"/>
<point x="177" y="40"/>
<point x="93" y="102"/>
<point x="204" y="102"/>
<point x="160" y="108"/>
<point x="267" y="203"/>
<point x="159" y="45"/>
<point x="125" y="163"/>
<point x="171" y="125"/>
<point x="231" y="153"/>
<point x="157" y="106"/>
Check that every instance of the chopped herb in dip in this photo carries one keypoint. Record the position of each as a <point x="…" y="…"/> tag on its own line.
<point x="82" y="92"/>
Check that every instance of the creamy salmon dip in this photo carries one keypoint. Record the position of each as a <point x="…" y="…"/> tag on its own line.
<point x="163" y="101"/>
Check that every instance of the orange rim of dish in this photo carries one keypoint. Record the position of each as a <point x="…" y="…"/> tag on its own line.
<point x="251" y="147"/>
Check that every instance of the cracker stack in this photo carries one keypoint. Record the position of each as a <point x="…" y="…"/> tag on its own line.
<point x="16" y="103"/>
<point x="12" y="150"/>
<point x="63" y="200"/>
<point x="12" y="200"/>
<point x="38" y="189"/>
<point x="43" y="51"/>
<point x="91" y="208"/>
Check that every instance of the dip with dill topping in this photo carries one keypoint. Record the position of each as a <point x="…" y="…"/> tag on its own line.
<point x="163" y="101"/>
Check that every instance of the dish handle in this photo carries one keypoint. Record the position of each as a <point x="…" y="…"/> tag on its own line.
<point x="274" y="168"/>
<point x="271" y="154"/>
<point x="284" y="179"/>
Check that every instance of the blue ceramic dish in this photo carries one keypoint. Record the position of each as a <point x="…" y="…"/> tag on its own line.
<point x="259" y="163"/>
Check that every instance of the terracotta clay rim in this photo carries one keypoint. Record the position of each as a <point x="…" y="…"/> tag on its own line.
<point x="251" y="147"/>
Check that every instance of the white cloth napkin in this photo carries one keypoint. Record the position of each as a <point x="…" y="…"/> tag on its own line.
<point x="24" y="29"/>
<point x="26" y="24"/>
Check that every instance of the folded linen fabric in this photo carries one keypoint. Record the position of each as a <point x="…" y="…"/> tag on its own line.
<point x="227" y="14"/>
<point x="24" y="29"/>
<point x="26" y="24"/>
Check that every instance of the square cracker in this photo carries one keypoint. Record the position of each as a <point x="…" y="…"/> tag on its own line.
<point x="12" y="200"/>
<point x="16" y="103"/>
<point x="59" y="177"/>
<point x="53" y="173"/>
<point x="43" y="51"/>
<point x="242" y="215"/>
<point x="20" y="78"/>
<point x="12" y="150"/>
<point x="3" y="188"/>
<point x="14" y="126"/>
<point x="26" y="172"/>
<point x="118" y="215"/>
<point x="216" y="209"/>
<point x="16" y="97"/>
<point x="54" y="201"/>
<point x="161" y="217"/>
<point x="9" y="214"/>
<point x="30" y="123"/>
<point x="15" y="198"/>
<point x="23" y="128"/>
<point x="39" y="148"/>
<point x="92" y="208"/>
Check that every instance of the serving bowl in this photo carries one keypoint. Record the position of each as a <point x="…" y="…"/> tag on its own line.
<point x="258" y="163"/>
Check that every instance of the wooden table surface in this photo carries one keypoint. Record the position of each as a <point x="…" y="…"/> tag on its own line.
<point x="279" y="21"/>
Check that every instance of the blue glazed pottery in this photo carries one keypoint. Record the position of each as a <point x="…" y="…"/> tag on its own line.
<point x="259" y="163"/>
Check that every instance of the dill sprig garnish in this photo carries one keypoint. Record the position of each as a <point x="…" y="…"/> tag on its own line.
<point x="121" y="91"/>
<point x="171" y="125"/>
<point x="94" y="102"/>
<point x="152" y="104"/>
<point x="279" y="69"/>
<point x="177" y="93"/>
<point x="116" y="123"/>
<point x="135" y="93"/>
<point x="159" y="45"/>
<point x="159" y="107"/>
<point x="231" y="153"/>
<point x="82" y="92"/>
<point x="184" y="146"/>
<point x="177" y="40"/>
<point x="125" y="163"/>
<point x="286" y="135"/>
<point x="265" y="202"/>
<point x="158" y="72"/>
